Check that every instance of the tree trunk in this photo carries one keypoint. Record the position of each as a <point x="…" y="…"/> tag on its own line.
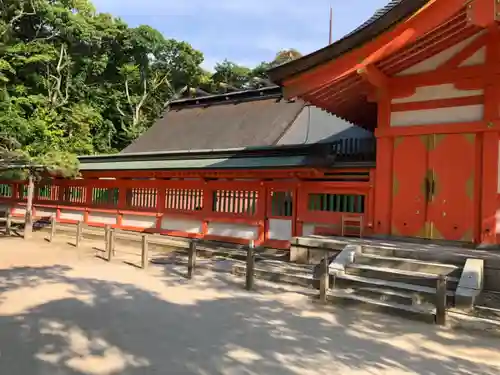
<point x="28" y="218"/>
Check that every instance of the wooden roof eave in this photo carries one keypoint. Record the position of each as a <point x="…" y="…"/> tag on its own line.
<point x="427" y="18"/>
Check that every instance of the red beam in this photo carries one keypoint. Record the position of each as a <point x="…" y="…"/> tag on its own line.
<point x="483" y="13"/>
<point x="427" y="19"/>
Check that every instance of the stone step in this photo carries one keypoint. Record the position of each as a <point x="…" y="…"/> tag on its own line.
<point x="179" y="244"/>
<point x="422" y="313"/>
<point x="390" y="295"/>
<point x="471" y="322"/>
<point x="408" y="264"/>
<point x="487" y="313"/>
<point x="393" y="274"/>
<point x="416" y="254"/>
<point x="277" y="274"/>
<point x="358" y="281"/>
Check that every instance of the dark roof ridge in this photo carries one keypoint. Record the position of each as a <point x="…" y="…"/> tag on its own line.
<point x="382" y="20"/>
<point x="235" y="96"/>
<point x="259" y="151"/>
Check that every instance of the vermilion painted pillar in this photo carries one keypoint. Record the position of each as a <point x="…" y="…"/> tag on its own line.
<point x="489" y="187"/>
<point x="489" y="157"/>
<point x="383" y="174"/>
<point x="383" y="186"/>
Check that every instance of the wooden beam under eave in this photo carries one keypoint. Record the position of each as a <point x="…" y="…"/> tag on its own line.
<point x="457" y="76"/>
<point x="427" y="19"/>
<point x="483" y="13"/>
<point x="374" y="76"/>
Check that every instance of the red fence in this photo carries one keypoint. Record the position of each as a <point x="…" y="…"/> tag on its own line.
<point x="269" y="212"/>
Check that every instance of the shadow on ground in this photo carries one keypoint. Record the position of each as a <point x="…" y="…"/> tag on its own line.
<point x="55" y="321"/>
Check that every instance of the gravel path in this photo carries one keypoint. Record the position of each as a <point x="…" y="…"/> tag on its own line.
<point x="62" y="311"/>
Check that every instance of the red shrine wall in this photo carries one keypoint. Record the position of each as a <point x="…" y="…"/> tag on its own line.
<point x="269" y="207"/>
<point x="438" y="146"/>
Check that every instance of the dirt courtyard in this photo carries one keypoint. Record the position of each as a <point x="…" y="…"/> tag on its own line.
<point x="62" y="311"/>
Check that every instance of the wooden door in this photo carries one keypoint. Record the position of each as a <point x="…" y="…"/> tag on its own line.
<point x="408" y="186"/>
<point x="451" y="168"/>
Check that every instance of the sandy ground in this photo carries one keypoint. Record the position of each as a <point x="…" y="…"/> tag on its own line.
<point x="62" y="311"/>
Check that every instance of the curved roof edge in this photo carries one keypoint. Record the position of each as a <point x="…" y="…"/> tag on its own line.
<point x="394" y="12"/>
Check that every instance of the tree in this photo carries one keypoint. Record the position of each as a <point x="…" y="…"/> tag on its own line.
<point x="284" y="56"/>
<point x="230" y="76"/>
<point x="15" y="163"/>
<point x="73" y="80"/>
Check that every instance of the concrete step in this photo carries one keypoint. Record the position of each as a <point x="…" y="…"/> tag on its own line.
<point x="280" y="272"/>
<point x="444" y="257"/>
<point x="427" y="293"/>
<point x="393" y="274"/>
<point x="408" y="264"/>
<point x="390" y="295"/>
<point x="168" y="243"/>
<point x="487" y="313"/>
<point x="469" y="321"/>
<point x="349" y="297"/>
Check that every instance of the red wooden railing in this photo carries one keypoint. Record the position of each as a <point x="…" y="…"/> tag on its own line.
<point x="269" y="212"/>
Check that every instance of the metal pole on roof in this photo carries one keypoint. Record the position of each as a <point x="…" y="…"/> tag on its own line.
<point x="330" y="36"/>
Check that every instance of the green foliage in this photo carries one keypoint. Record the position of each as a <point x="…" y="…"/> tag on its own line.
<point x="76" y="82"/>
<point x="73" y="81"/>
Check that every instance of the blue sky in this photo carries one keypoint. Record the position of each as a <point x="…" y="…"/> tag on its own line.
<point x="245" y="31"/>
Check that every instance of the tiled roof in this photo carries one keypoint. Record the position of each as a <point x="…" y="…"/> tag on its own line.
<point x="243" y="119"/>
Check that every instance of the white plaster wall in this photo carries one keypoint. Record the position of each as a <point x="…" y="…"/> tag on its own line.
<point x="437" y="60"/>
<point x="72" y="215"/>
<point x="19" y="211"/>
<point x="102" y="218"/>
<point x="139" y="221"/>
<point x="478" y="58"/>
<point x="314" y="125"/>
<point x="45" y="212"/>
<point x="181" y="225"/>
<point x="445" y="91"/>
<point x="280" y="229"/>
<point x="233" y="230"/>
<point x="308" y="229"/>
<point x="438" y="116"/>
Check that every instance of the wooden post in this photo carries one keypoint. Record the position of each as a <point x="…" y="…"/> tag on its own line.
<point x="53" y="223"/>
<point x="8" y="224"/>
<point x="249" y="276"/>
<point x="111" y="244"/>
<point x="191" y="259"/>
<point x="115" y="232"/>
<point x="441" y="300"/>
<point x="107" y="232"/>
<point x="28" y="217"/>
<point x="324" y="279"/>
<point x="145" y="252"/>
<point x="79" y="229"/>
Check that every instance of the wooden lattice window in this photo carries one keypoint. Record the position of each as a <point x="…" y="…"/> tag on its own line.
<point x="337" y="203"/>
<point x="105" y="196"/>
<point x="5" y="191"/>
<point x="48" y="193"/>
<point x="74" y="194"/>
<point x="281" y="203"/>
<point x="184" y="199"/>
<point x="235" y="202"/>
<point x="23" y="191"/>
<point x="142" y="197"/>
